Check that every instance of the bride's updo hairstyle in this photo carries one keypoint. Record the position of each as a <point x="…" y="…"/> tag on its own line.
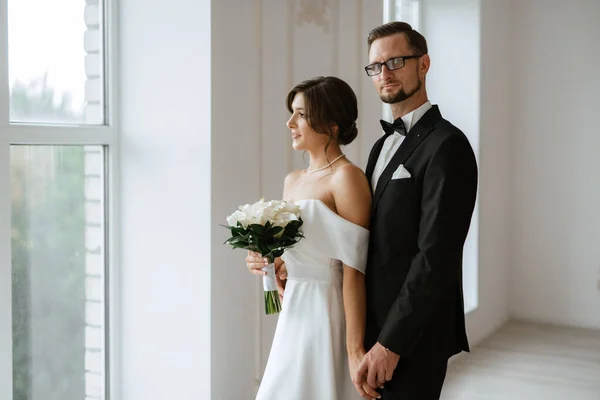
<point x="328" y="102"/>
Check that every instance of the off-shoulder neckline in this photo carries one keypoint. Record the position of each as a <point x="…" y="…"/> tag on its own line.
<point x="319" y="201"/>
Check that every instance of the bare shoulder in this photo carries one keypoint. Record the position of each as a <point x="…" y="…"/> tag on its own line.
<point x="292" y="177"/>
<point x="290" y="180"/>
<point x="349" y="175"/>
<point x="352" y="195"/>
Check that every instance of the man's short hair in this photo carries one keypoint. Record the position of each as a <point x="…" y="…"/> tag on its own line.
<point x="415" y="40"/>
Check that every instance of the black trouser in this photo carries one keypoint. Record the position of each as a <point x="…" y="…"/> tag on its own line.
<point x="416" y="378"/>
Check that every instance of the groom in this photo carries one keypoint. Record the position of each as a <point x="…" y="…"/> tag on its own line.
<point x="423" y="176"/>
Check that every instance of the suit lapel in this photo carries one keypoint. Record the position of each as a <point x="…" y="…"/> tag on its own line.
<point x="415" y="137"/>
<point x="373" y="159"/>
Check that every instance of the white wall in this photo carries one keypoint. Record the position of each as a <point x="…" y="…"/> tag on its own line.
<point x="555" y="189"/>
<point x="235" y="173"/>
<point x="166" y="222"/>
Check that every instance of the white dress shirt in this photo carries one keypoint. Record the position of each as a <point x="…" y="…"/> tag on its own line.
<point x="393" y="142"/>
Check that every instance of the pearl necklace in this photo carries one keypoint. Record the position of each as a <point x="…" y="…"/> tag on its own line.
<point x="308" y="171"/>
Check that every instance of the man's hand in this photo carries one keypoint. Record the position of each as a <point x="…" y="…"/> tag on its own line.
<point x="361" y="385"/>
<point x="379" y="365"/>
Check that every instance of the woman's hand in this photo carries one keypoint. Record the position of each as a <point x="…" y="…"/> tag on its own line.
<point x="255" y="263"/>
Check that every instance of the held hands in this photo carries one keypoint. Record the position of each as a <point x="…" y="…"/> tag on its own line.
<point x="255" y="263"/>
<point x="377" y="366"/>
<point x="361" y="385"/>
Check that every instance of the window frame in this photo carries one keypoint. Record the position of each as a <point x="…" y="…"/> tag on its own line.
<point x="106" y="135"/>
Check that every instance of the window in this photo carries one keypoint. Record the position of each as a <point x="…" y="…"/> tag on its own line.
<point x="56" y="61"/>
<point x="402" y="10"/>
<point x="57" y="137"/>
<point x="57" y="210"/>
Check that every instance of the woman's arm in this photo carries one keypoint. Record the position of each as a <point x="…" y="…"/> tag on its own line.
<point x="352" y="197"/>
<point x="355" y="309"/>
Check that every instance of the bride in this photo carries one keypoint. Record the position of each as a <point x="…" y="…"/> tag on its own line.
<point x="318" y="342"/>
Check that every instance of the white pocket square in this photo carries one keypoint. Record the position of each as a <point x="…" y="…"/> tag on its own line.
<point x="401" y="173"/>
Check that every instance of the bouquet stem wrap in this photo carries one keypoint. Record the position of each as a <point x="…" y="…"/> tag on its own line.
<point x="272" y="301"/>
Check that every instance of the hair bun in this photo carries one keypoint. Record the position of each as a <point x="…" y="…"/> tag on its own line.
<point x="348" y="135"/>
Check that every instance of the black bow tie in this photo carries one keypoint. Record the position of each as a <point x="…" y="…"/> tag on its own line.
<point x="397" y="126"/>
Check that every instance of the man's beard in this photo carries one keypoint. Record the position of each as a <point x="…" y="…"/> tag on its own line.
<point x="400" y="96"/>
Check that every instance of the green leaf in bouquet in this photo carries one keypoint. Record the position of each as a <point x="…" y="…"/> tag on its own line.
<point x="257" y="228"/>
<point x="290" y="240"/>
<point x="292" y="228"/>
<point x="262" y="249"/>
<point x="274" y="230"/>
<point x="238" y="230"/>
<point x="237" y="240"/>
<point x="295" y="224"/>
<point x="272" y="246"/>
<point x="286" y="236"/>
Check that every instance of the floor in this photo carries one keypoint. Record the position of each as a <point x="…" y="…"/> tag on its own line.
<point x="529" y="362"/>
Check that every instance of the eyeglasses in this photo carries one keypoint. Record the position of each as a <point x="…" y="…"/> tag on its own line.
<point x="391" y="64"/>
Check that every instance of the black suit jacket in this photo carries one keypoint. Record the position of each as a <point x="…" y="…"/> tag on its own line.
<point x="418" y="228"/>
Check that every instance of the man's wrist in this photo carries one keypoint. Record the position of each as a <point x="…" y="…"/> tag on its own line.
<point x="388" y="351"/>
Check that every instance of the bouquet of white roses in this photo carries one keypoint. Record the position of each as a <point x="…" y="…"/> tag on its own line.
<point x="267" y="228"/>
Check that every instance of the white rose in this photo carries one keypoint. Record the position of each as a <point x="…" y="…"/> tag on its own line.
<point x="267" y="211"/>
<point x="250" y="213"/>
<point x="288" y="212"/>
<point x="289" y="207"/>
<point x="280" y="213"/>
<point x="283" y="218"/>
<point x="236" y="217"/>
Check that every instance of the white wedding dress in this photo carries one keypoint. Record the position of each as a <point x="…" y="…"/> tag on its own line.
<point x="308" y="359"/>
